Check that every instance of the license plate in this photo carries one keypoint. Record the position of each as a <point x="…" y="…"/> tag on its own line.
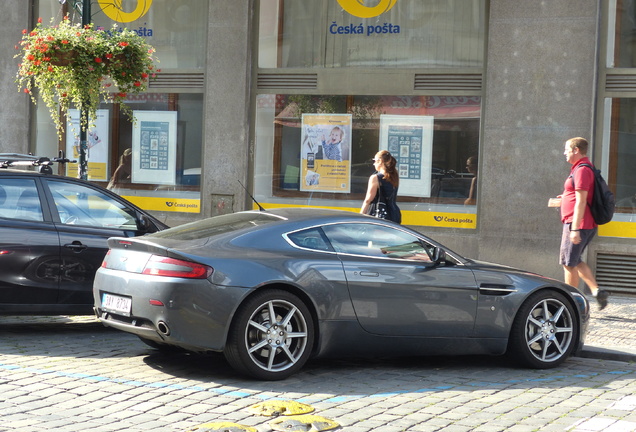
<point x="116" y="304"/>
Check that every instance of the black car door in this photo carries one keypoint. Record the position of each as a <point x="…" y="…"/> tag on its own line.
<point x="29" y="247"/>
<point x="85" y="218"/>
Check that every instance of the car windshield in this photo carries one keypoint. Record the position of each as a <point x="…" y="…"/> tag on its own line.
<point x="217" y="225"/>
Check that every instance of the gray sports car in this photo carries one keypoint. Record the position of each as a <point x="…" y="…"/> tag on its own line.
<point x="272" y="288"/>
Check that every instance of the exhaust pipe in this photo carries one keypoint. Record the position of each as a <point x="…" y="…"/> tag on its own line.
<point x="163" y="328"/>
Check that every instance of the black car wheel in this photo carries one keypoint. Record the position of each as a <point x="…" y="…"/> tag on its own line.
<point x="545" y="331"/>
<point x="271" y="337"/>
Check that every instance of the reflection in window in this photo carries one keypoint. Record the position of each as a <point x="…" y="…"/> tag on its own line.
<point x="19" y="199"/>
<point x="320" y="33"/>
<point x="189" y="138"/>
<point x="283" y="163"/>
<point x="310" y="239"/>
<point x="622" y="49"/>
<point x="621" y="175"/>
<point x="80" y="205"/>
<point x="377" y="241"/>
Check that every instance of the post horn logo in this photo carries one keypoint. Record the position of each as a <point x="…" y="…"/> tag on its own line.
<point x="357" y="8"/>
<point x="113" y="10"/>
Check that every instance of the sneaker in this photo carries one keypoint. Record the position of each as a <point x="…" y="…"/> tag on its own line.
<point x="601" y="298"/>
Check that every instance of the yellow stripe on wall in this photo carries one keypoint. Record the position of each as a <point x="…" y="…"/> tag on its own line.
<point x="410" y="217"/>
<point x="618" y="229"/>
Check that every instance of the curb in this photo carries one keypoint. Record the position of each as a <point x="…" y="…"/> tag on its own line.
<point x="607" y="353"/>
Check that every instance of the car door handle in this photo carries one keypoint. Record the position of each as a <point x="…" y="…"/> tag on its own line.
<point x="369" y="274"/>
<point x="76" y="246"/>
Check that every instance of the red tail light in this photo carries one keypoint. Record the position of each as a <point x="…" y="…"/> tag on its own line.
<point x="104" y="262"/>
<point x="164" y="266"/>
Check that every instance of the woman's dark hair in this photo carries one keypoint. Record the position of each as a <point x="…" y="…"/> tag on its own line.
<point x="390" y="167"/>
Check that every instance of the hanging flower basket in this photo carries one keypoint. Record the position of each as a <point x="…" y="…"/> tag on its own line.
<point x="63" y="58"/>
<point x="70" y="65"/>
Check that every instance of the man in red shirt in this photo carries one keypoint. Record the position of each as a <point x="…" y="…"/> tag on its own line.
<point x="578" y="224"/>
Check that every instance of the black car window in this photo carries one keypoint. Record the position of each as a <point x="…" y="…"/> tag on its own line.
<point x="20" y="200"/>
<point x="310" y="239"/>
<point x="378" y="241"/>
<point x="78" y="204"/>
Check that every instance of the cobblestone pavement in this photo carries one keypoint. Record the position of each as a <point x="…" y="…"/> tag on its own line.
<point x="71" y="374"/>
<point x="612" y="331"/>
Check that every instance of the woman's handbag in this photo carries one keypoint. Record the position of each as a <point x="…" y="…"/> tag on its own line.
<point x="380" y="210"/>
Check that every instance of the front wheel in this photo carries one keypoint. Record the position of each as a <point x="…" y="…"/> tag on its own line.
<point x="271" y="337"/>
<point x="545" y="331"/>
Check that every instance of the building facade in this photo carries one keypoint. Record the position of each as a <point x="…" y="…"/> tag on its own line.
<point x="288" y="100"/>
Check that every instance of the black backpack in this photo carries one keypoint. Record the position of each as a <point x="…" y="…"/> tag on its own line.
<point x="603" y="201"/>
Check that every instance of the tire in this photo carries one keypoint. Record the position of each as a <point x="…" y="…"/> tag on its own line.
<point x="545" y="331"/>
<point x="270" y="349"/>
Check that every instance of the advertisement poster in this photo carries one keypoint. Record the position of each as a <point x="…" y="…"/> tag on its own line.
<point x="326" y="153"/>
<point x="410" y="141"/>
<point x="154" y="147"/>
<point x="97" y="144"/>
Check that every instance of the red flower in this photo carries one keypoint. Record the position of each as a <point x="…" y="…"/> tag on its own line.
<point x="24" y="31"/>
<point x="144" y="75"/>
<point x="98" y="59"/>
<point x="39" y="20"/>
<point x="123" y="44"/>
<point x="137" y="84"/>
<point x="64" y="41"/>
<point x="109" y="56"/>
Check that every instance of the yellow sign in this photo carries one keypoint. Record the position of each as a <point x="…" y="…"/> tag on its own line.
<point x="357" y="8"/>
<point x="618" y="229"/>
<point x="113" y="10"/>
<point x="411" y="217"/>
<point x="166" y="204"/>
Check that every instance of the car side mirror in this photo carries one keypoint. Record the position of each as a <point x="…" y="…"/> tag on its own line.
<point x="439" y="256"/>
<point x="143" y="223"/>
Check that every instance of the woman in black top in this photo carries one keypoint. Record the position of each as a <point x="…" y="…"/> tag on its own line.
<point x="387" y="178"/>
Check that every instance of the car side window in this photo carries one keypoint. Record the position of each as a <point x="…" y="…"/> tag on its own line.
<point x="81" y="205"/>
<point x="19" y="199"/>
<point x="310" y="239"/>
<point x="377" y="241"/>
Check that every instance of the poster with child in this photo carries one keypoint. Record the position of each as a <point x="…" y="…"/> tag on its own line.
<point x="325" y="153"/>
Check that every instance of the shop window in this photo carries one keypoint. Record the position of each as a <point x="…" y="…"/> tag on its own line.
<point x="435" y="140"/>
<point x="411" y="33"/>
<point x="622" y="153"/>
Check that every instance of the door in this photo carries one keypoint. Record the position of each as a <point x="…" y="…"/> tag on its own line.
<point x="396" y="289"/>
<point x="86" y="217"/>
<point x="29" y="247"/>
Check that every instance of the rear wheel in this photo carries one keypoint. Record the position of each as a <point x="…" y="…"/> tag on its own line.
<point x="545" y="331"/>
<point x="271" y="337"/>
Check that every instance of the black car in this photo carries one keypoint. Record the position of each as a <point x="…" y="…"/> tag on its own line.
<point x="53" y="233"/>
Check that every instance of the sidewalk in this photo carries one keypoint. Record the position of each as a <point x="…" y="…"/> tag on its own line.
<point x="611" y="334"/>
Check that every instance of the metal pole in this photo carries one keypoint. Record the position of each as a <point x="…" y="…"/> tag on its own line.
<point x="83" y="163"/>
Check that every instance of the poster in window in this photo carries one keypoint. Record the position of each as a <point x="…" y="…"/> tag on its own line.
<point x="154" y="147"/>
<point x="326" y="153"/>
<point x="410" y="141"/>
<point x="97" y="145"/>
